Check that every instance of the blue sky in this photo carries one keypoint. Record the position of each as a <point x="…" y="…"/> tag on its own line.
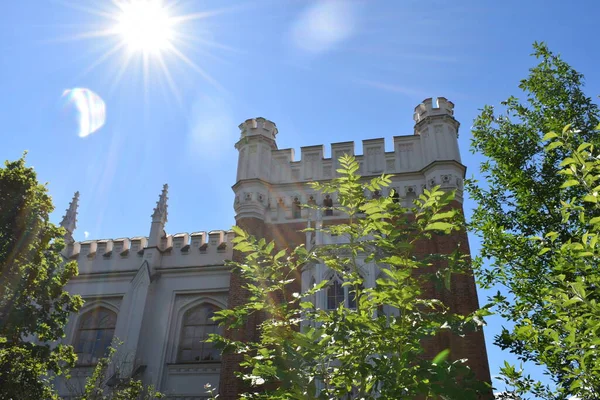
<point x="323" y="71"/>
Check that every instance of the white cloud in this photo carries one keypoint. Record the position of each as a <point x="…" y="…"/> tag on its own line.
<point x="86" y="234"/>
<point x="324" y="24"/>
<point x="90" y="107"/>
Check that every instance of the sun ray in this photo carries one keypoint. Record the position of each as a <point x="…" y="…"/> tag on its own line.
<point x="145" y="77"/>
<point x="169" y="79"/>
<point x="101" y="59"/>
<point x="87" y="10"/>
<point x="203" y="14"/>
<point x="120" y="72"/>
<point x="209" y="43"/>
<point x="82" y="36"/>
<point x="195" y="67"/>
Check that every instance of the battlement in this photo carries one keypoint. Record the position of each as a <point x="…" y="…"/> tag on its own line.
<point x="408" y="155"/>
<point x="258" y="126"/>
<point x="272" y="183"/>
<point x="427" y="109"/>
<point x="178" y="250"/>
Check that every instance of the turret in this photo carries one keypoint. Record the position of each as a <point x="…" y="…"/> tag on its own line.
<point x="69" y="221"/>
<point x="159" y="219"/>
<point x="256" y="143"/>
<point x="438" y="130"/>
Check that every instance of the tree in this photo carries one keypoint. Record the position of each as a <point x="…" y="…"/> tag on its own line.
<point x="34" y="308"/>
<point x="528" y="194"/>
<point x="375" y="348"/>
<point x="107" y="382"/>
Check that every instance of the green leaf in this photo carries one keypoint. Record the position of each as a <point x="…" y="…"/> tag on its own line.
<point x="443" y="215"/>
<point x="544" y="251"/>
<point x="590" y="198"/>
<point x="583" y="146"/>
<point x="550" y="135"/>
<point x="439" y="226"/>
<point x="554" y="145"/>
<point x="441" y="357"/>
<point x="569" y="183"/>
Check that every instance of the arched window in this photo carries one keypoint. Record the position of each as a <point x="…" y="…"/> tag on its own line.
<point x="335" y="293"/>
<point x="197" y="325"/>
<point x="338" y="294"/>
<point x="94" y="334"/>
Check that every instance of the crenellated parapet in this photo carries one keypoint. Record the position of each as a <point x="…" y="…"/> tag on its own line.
<point x="127" y="254"/>
<point x="443" y="107"/>
<point x="271" y="181"/>
<point x="258" y="127"/>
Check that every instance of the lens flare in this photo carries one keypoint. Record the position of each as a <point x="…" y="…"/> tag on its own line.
<point x="90" y="108"/>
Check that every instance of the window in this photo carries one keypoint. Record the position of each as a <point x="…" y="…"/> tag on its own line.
<point x="335" y="294"/>
<point x="338" y="294"/>
<point x="94" y="334"/>
<point x="197" y="325"/>
<point x="328" y="202"/>
<point x="296" y="211"/>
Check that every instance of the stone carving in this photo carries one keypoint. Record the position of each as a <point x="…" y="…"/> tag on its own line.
<point x="295" y="174"/>
<point x="311" y="165"/>
<point x="405" y="147"/>
<point x="389" y="165"/>
<point x="374" y="159"/>
<point x="183" y="300"/>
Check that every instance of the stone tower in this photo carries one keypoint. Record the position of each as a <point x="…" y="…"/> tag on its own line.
<point x="270" y="182"/>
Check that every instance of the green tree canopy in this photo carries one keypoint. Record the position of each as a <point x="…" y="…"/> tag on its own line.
<point x="34" y="308"/>
<point x="524" y="197"/>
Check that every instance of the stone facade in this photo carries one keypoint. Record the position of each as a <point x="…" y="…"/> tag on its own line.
<point x="156" y="285"/>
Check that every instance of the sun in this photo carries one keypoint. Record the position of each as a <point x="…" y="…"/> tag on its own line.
<point x="147" y="36"/>
<point x="145" y="26"/>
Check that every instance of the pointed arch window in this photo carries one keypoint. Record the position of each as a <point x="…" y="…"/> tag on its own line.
<point x="94" y="334"/>
<point x="335" y="293"/>
<point x="338" y="294"/>
<point x="197" y="325"/>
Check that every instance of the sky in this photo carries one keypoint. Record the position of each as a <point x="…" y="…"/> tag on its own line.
<point x="103" y="112"/>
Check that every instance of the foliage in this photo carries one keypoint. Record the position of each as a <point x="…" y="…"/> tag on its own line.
<point x="572" y="291"/>
<point x="303" y="352"/>
<point x="107" y="382"/>
<point x="34" y="308"/>
<point x="534" y="190"/>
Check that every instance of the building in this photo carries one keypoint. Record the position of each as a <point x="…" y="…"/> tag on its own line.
<point x="157" y="293"/>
